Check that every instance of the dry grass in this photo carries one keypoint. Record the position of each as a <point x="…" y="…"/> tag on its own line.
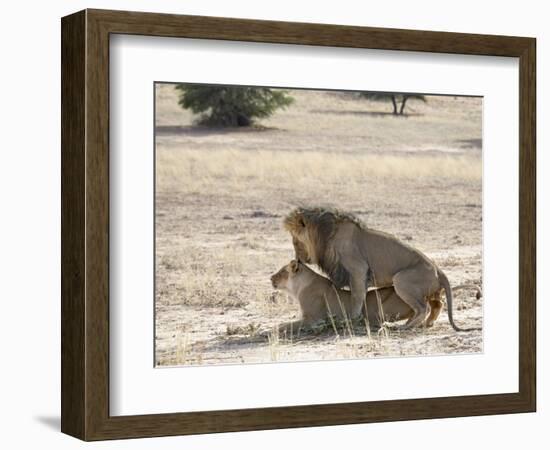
<point x="241" y="169"/>
<point x="221" y="195"/>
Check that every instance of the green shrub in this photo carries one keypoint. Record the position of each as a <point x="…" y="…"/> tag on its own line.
<point x="231" y="106"/>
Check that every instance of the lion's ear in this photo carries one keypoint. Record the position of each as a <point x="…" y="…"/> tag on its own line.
<point x="294" y="265"/>
<point x="301" y="222"/>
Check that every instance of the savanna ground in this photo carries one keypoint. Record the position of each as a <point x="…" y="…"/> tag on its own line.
<point x="221" y="195"/>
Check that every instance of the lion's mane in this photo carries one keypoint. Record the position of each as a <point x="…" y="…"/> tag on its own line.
<point x="321" y="224"/>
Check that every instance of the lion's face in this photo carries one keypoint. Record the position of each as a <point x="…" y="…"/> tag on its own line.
<point x="281" y="279"/>
<point x="301" y="241"/>
<point x="300" y="251"/>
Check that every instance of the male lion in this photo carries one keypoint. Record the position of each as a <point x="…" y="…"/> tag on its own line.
<point x="351" y="254"/>
<point x="319" y="299"/>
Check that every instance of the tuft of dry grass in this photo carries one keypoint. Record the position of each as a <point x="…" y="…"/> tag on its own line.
<point x="251" y="329"/>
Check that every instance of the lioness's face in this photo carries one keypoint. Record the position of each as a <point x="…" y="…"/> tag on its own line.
<point x="280" y="279"/>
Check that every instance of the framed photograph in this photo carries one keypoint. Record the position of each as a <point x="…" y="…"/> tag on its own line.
<point x="273" y="225"/>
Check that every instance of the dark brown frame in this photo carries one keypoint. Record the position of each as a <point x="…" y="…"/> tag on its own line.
<point x="85" y="224"/>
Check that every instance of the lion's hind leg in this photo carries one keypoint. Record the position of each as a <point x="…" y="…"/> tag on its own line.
<point x="412" y="285"/>
<point x="436" y="305"/>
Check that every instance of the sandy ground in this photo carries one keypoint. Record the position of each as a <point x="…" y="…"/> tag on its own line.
<point x="221" y="195"/>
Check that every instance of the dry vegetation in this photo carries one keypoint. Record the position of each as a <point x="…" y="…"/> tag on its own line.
<point x="221" y="195"/>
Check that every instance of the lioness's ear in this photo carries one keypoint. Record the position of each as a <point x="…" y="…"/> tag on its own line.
<point x="294" y="265"/>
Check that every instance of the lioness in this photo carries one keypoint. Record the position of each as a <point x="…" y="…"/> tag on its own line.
<point x="350" y="253"/>
<point x="319" y="298"/>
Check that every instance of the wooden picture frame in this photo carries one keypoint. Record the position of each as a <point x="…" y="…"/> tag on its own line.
<point x="85" y="224"/>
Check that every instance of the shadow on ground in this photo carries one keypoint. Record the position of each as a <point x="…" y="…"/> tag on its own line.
<point x="365" y="113"/>
<point x="198" y="130"/>
<point x="469" y="143"/>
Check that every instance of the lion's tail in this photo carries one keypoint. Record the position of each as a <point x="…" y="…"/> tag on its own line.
<point x="449" y="294"/>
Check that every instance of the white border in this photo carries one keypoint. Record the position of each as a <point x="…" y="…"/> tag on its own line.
<point x="137" y="388"/>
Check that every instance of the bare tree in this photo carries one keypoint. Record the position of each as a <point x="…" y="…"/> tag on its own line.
<point x="398" y="100"/>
